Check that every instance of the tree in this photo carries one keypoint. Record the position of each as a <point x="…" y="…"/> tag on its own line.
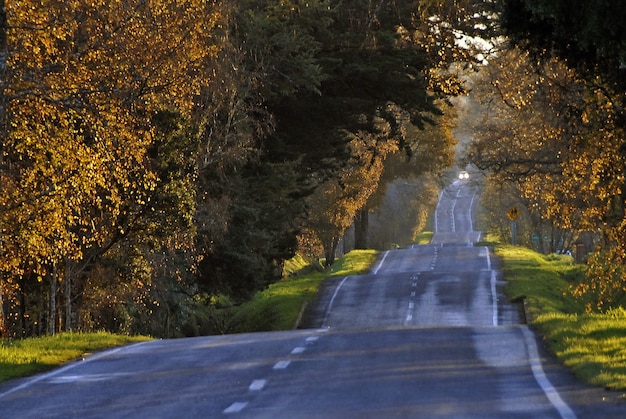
<point x="533" y="135"/>
<point x="336" y="203"/>
<point x="589" y="36"/>
<point x="430" y="152"/>
<point x="590" y="39"/>
<point x="381" y="63"/>
<point x="83" y="80"/>
<point x="264" y="214"/>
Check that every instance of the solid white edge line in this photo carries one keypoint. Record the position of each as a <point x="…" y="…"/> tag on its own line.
<point x="452" y="221"/>
<point x="380" y="264"/>
<point x="437" y="212"/>
<point x="535" y="364"/>
<point x="488" y="258"/>
<point x="494" y="298"/>
<point x="330" y="304"/>
<point x="470" y="213"/>
<point x="58" y="371"/>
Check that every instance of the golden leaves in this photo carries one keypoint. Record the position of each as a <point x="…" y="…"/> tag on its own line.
<point x="84" y="78"/>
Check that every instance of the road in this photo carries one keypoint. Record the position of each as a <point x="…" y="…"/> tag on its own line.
<point x="427" y="333"/>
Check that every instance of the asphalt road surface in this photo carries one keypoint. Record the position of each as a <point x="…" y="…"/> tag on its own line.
<point x="426" y="334"/>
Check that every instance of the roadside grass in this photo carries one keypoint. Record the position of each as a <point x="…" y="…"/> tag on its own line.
<point x="23" y="357"/>
<point x="424" y="237"/>
<point x="593" y="346"/>
<point x="280" y="306"/>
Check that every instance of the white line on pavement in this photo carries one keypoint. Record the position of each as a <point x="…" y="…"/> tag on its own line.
<point x="535" y="364"/>
<point x="257" y="385"/>
<point x="281" y="365"/>
<point x="235" y="407"/>
<point x="330" y="305"/>
<point x="470" y="212"/>
<point x="437" y="213"/>
<point x="380" y="264"/>
<point x="494" y="298"/>
<point x="486" y="249"/>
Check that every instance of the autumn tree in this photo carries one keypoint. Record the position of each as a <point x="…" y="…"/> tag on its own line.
<point x="380" y="62"/>
<point x="589" y="37"/>
<point x="337" y="201"/>
<point x="429" y="153"/>
<point x="84" y="80"/>
<point x="527" y="137"/>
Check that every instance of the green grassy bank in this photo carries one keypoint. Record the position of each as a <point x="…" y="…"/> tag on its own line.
<point x="593" y="346"/>
<point x="20" y="358"/>
<point x="280" y="306"/>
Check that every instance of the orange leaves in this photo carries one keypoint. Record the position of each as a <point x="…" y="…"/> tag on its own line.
<point x="605" y="284"/>
<point x="84" y="78"/>
<point x="551" y="135"/>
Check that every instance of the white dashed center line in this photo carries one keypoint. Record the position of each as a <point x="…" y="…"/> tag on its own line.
<point x="281" y="365"/>
<point x="257" y="385"/>
<point x="235" y="407"/>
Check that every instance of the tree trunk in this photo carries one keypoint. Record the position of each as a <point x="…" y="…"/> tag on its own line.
<point x="68" y="298"/>
<point x="52" y="308"/>
<point x="361" y="227"/>
<point x="3" y="316"/>
<point x="329" y="252"/>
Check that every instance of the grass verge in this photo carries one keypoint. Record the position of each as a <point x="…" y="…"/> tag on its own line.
<point x="20" y="358"/>
<point x="593" y="346"/>
<point x="280" y="305"/>
<point x="424" y="237"/>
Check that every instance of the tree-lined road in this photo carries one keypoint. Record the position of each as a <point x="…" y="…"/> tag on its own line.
<point x="426" y="334"/>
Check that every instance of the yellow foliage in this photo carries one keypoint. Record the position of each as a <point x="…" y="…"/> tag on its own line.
<point x="84" y="77"/>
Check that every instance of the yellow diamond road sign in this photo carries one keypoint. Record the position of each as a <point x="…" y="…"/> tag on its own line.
<point x="513" y="213"/>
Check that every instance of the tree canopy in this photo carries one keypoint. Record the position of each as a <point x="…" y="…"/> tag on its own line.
<point x="576" y="56"/>
<point x="157" y="154"/>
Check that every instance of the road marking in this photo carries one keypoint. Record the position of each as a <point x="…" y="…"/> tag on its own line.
<point x="411" y="305"/>
<point x="535" y="364"/>
<point x="235" y="407"/>
<point x="381" y="263"/>
<point x="298" y="350"/>
<point x="257" y="385"/>
<point x="413" y="294"/>
<point x="437" y="213"/>
<point x="486" y="250"/>
<point x="494" y="299"/>
<point x="312" y="339"/>
<point x="470" y="213"/>
<point x="281" y="365"/>
<point x="330" y="305"/>
<point x="86" y="378"/>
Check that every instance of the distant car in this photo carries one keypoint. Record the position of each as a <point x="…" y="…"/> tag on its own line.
<point x="463" y="175"/>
